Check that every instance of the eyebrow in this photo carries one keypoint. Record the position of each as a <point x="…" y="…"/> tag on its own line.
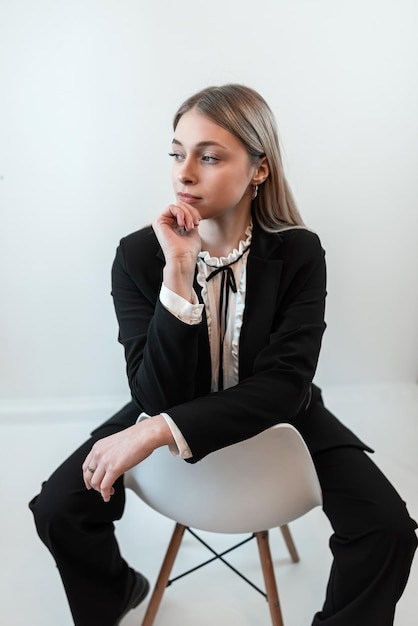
<point x="201" y="144"/>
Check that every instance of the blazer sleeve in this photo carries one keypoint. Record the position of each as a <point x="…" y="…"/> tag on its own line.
<point x="161" y="352"/>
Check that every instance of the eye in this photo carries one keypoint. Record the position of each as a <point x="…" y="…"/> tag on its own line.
<point x="209" y="159"/>
<point x="176" y="156"/>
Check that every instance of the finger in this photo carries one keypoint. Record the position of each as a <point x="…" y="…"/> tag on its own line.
<point x="106" y="486"/>
<point x="186" y="216"/>
<point x="88" y="469"/>
<point x="97" y="479"/>
<point x="191" y="215"/>
<point x="88" y="478"/>
<point x="106" y="497"/>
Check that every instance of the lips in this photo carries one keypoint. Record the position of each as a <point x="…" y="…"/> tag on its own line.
<point x="188" y="198"/>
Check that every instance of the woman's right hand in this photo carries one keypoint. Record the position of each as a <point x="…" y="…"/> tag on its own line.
<point x="176" y="229"/>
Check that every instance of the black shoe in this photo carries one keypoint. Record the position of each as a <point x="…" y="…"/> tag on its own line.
<point x="139" y="592"/>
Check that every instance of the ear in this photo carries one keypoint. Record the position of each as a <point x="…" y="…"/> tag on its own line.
<point x="262" y="172"/>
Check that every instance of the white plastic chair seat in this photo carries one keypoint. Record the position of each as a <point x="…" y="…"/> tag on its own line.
<point x="257" y="484"/>
<point x="266" y="481"/>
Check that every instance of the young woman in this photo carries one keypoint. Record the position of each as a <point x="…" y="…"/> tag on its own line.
<point x="220" y="307"/>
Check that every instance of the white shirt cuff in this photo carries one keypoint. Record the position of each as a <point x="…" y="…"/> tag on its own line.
<point x="185" y="311"/>
<point x="181" y="447"/>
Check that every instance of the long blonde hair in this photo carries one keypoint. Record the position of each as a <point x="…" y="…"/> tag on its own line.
<point x="245" y="114"/>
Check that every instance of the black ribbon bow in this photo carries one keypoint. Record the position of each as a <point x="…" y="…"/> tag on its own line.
<point x="228" y="284"/>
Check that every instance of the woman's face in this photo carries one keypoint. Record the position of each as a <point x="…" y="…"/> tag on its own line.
<point x="211" y="168"/>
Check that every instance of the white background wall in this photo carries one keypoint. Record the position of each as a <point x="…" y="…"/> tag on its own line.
<point x="88" y="90"/>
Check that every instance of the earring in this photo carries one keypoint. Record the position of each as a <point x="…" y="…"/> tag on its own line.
<point x="255" y="191"/>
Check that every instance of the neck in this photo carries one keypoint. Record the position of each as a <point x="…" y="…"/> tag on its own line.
<point x="220" y="236"/>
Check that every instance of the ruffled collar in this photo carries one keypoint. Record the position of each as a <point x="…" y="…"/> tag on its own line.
<point x="233" y="256"/>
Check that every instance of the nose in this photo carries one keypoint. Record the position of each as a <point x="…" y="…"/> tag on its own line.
<point x="186" y="173"/>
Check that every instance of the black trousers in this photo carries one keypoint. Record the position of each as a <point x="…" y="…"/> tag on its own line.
<point x="373" y="543"/>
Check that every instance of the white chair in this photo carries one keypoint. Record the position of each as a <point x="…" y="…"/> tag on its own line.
<point x="261" y="483"/>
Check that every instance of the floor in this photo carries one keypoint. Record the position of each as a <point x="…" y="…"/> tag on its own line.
<point x="385" y="416"/>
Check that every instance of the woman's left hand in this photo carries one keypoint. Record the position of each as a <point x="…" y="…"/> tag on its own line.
<point x="112" y="456"/>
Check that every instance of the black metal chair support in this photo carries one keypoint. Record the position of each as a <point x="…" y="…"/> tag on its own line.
<point x="218" y="556"/>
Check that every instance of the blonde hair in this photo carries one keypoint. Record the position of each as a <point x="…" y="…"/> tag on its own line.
<point x="245" y="114"/>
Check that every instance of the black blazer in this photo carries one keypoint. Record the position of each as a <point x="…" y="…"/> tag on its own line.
<point x="168" y="361"/>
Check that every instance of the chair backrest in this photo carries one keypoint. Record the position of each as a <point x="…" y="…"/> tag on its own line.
<point x="257" y="484"/>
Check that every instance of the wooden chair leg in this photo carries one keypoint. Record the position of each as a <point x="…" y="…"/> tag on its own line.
<point x="164" y="575"/>
<point x="290" y="543"/>
<point x="269" y="578"/>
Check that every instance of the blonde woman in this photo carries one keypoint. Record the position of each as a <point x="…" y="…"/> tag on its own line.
<point x="220" y="307"/>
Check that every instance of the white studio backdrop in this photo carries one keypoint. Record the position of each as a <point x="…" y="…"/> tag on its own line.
<point x="88" y="91"/>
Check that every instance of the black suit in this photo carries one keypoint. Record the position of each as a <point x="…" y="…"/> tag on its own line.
<point x="168" y="367"/>
<point x="168" y="362"/>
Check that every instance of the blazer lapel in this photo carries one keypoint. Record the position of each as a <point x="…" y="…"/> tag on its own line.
<point x="263" y="280"/>
<point x="204" y="372"/>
